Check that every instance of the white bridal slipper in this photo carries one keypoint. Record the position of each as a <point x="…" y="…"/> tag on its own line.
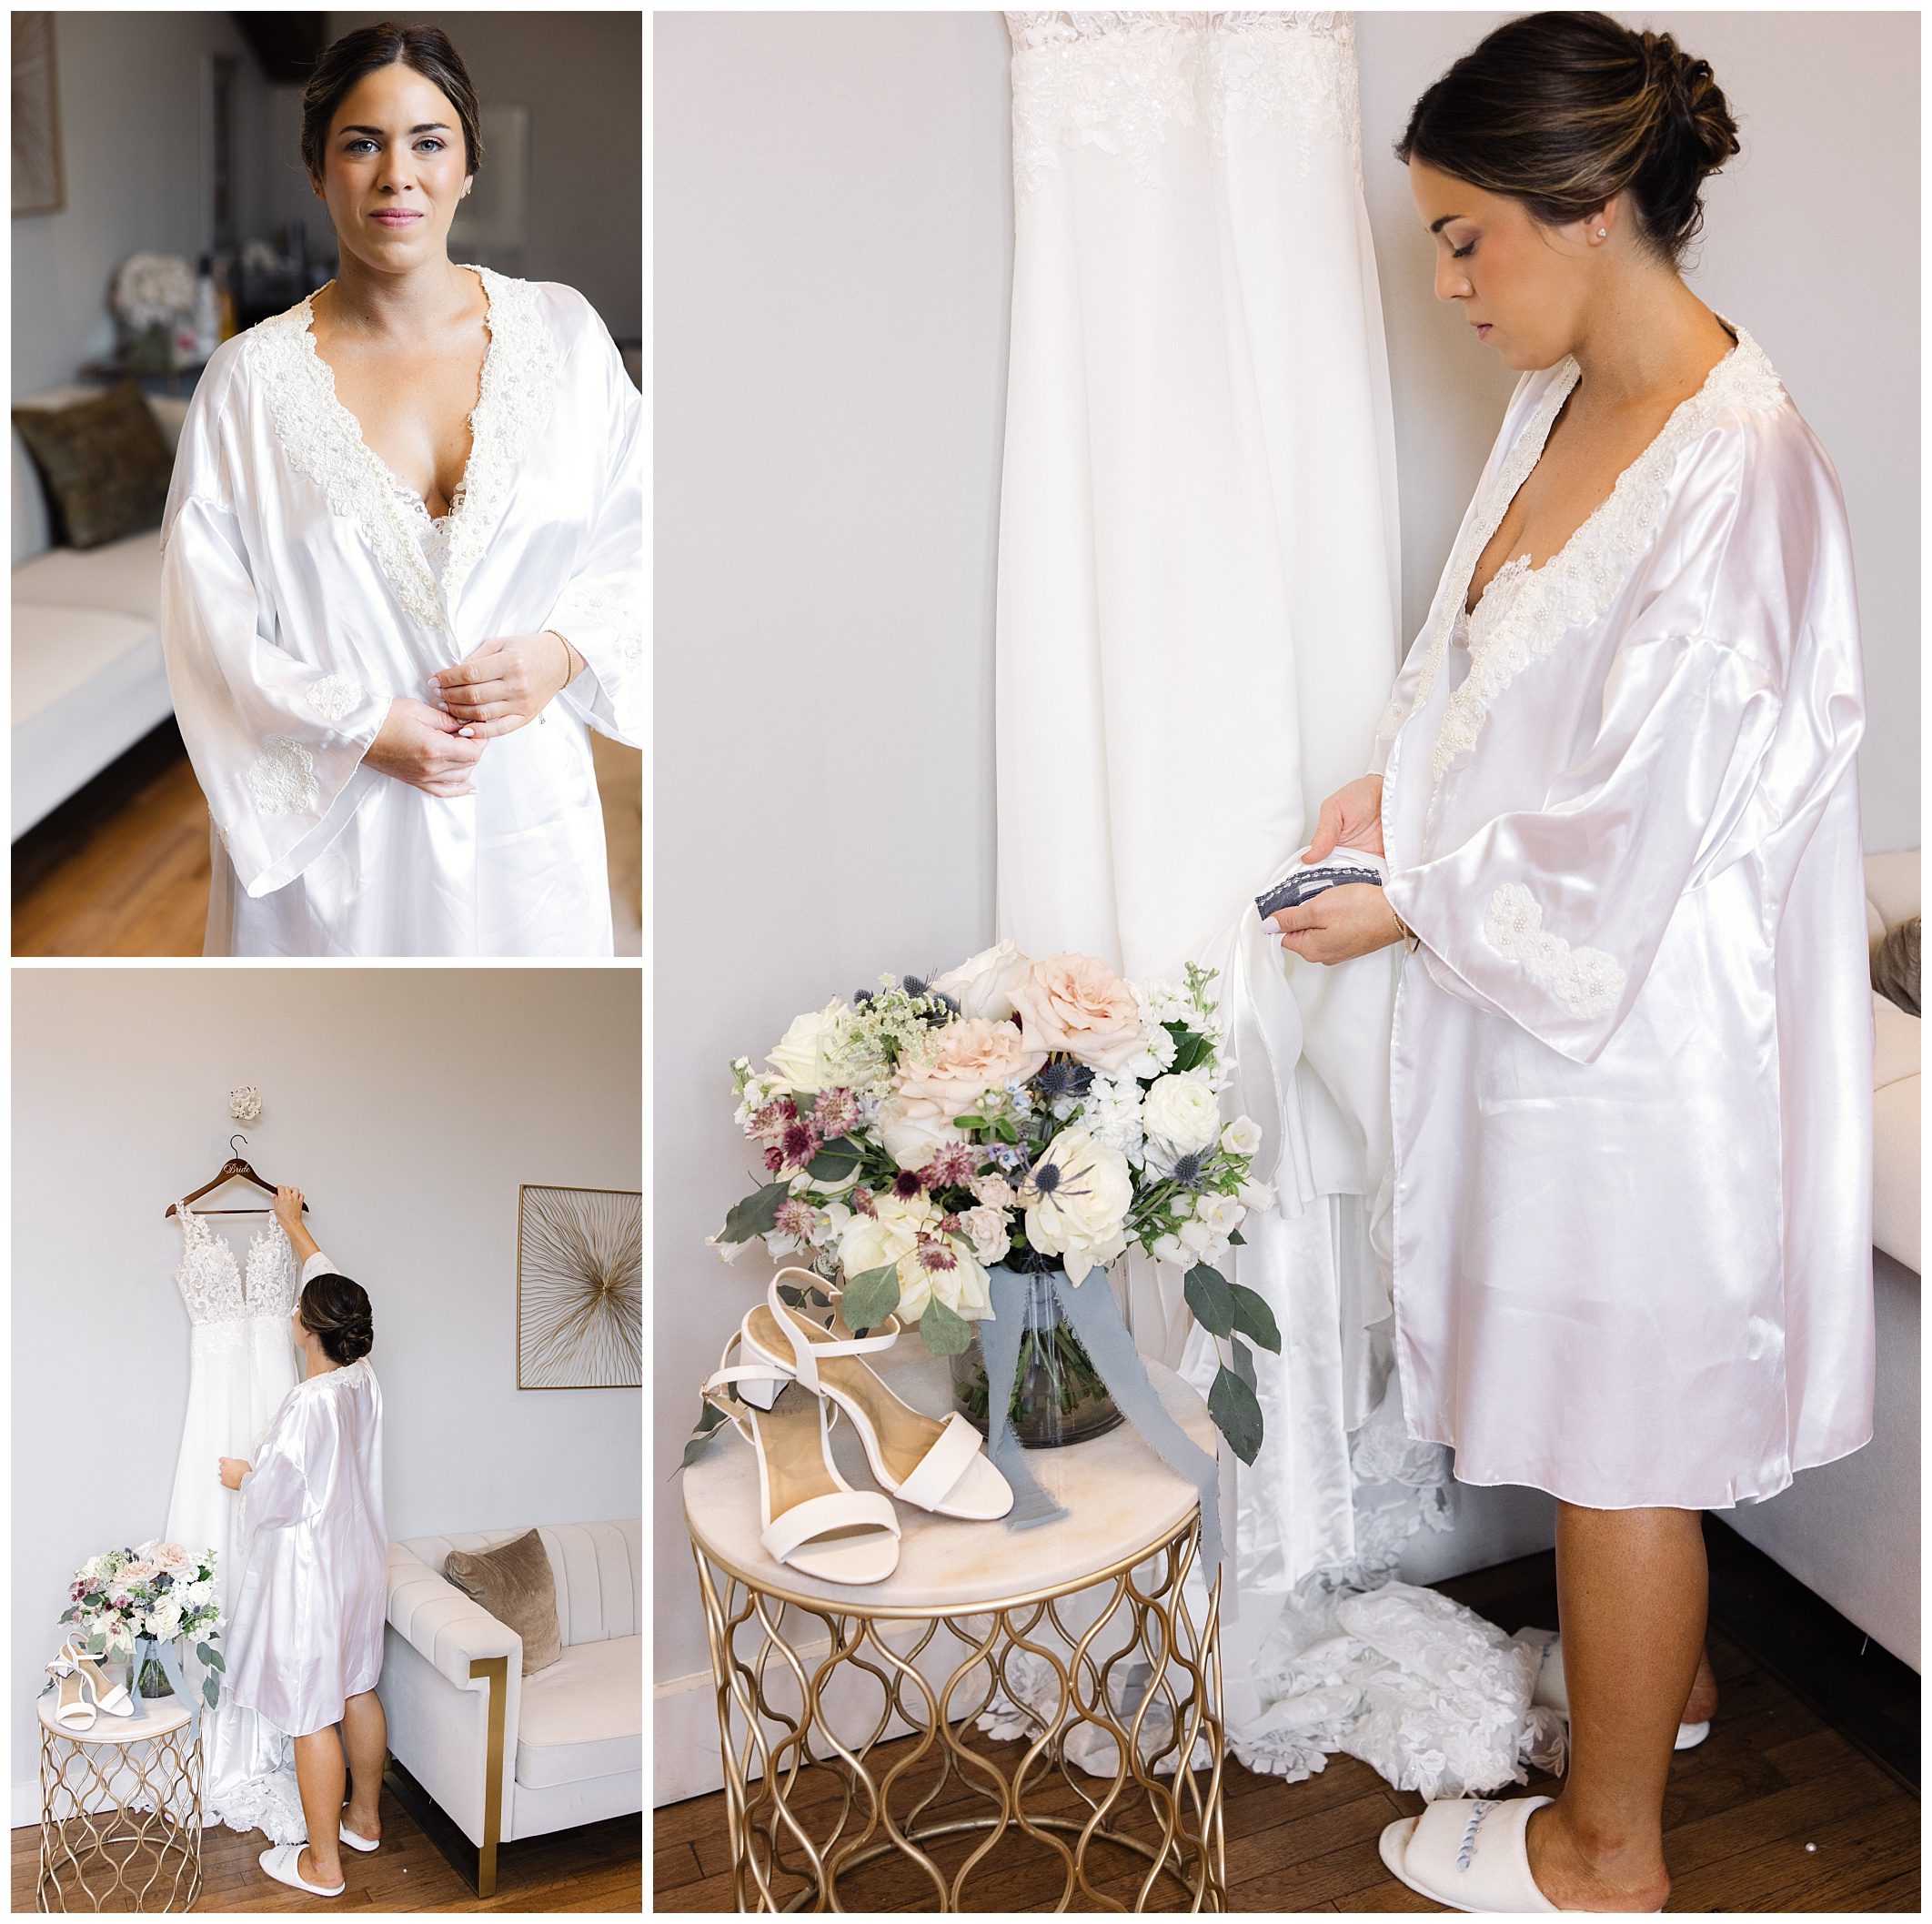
<point x="356" y="1843"/>
<point x="1552" y="1688"/>
<point x="1468" y="1853"/>
<point x="281" y="1863"/>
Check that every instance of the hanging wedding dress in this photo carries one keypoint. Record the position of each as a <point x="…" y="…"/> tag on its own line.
<point x="241" y="1366"/>
<point x="1197" y="624"/>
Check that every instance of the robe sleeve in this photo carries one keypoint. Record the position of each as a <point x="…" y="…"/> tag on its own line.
<point x="1731" y="708"/>
<point x="600" y="612"/>
<point x="277" y="742"/>
<point x="294" y="1459"/>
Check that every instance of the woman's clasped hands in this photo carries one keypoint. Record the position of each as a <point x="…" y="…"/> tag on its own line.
<point x="506" y="683"/>
<point x="1353" y="917"/>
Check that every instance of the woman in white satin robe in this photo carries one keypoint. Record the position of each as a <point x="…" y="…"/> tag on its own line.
<point x="305" y="587"/>
<point x="306" y="1629"/>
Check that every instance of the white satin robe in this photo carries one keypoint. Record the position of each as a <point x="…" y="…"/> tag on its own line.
<point x="307" y="1624"/>
<point x="304" y="587"/>
<point x="1631" y="1070"/>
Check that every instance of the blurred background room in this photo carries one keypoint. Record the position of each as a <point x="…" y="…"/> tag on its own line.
<point x="160" y="205"/>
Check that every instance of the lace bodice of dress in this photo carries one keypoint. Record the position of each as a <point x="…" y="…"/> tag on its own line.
<point x="217" y="1289"/>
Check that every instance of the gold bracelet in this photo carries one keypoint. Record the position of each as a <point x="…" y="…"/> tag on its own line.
<point x="1409" y="934"/>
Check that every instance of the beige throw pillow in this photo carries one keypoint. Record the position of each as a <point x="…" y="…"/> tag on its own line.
<point x="1895" y="966"/>
<point x="515" y="1584"/>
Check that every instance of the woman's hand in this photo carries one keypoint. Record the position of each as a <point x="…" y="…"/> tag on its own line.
<point x="1353" y="814"/>
<point x="507" y="681"/>
<point x="1353" y="917"/>
<point x="425" y="748"/>
<point x="233" y="1470"/>
<point x="288" y="1208"/>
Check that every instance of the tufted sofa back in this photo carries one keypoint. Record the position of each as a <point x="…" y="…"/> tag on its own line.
<point x="598" y="1568"/>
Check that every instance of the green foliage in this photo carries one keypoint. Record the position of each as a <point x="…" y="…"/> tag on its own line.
<point x="1254" y="1319"/>
<point x="946" y="1334"/>
<point x="1236" y="1414"/>
<point x="757" y="1215"/>
<point x="870" y="1297"/>
<point x="1211" y="1298"/>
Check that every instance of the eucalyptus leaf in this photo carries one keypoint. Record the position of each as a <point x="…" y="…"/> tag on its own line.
<point x="946" y="1334"/>
<point x="756" y="1215"/>
<point x="211" y="1691"/>
<point x="835" y="1159"/>
<point x="1237" y="1239"/>
<point x="870" y="1297"/>
<point x="1236" y="1414"/>
<point x="1254" y="1319"/>
<point x="98" y="1643"/>
<point x="1244" y="1361"/>
<point x="1210" y="1299"/>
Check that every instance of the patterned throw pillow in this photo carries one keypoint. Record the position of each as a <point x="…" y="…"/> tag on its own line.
<point x="1895" y="966"/>
<point x="105" y="463"/>
<point x="515" y="1584"/>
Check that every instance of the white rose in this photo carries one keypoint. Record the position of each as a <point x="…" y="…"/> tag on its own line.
<point x="986" y="1226"/>
<point x="911" y="1137"/>
<point x="945" y="1269"/>
<point x="1181" y="1110"/>
<point x="1082" y="1215"/>
<point x="1242" y="1136"/>
<point x="872" y="1241"/>
<point x="992" y="1191"/>
<point x="984" y="986"/>
<point x="803" y="1055"/>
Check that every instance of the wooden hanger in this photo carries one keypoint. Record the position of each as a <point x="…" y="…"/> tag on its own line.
<point x="235" y="1166"/>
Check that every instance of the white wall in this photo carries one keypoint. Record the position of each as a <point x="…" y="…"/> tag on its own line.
<point x="128" y="94"/>
<point x="834" y="261"/>
<point x="1810" y="241"/>
<point x="408" y="1104"/>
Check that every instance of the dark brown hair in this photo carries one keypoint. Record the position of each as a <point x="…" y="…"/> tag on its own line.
<point x="1561" y="111"/>
<point x="344" y="61"/>
<point x="336" y="1311"/>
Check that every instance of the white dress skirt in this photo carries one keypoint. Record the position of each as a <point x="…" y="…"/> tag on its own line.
<point x="307" y="1628"/>
<point x="1631" y="1068"/>
<point x="304" y="588"/>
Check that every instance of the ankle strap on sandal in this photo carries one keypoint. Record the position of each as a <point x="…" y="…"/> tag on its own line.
<point x="808" y="1351"/>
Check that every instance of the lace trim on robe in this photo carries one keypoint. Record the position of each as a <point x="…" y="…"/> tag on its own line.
<point x="1116" y="81"/>
<point x="323" y="441"/>
<point x="1578" y="583"/>
<point x="1586" y="982"/>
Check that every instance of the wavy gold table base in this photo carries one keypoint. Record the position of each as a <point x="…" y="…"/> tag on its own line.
<point x="773" y="1714"/>
<point x="91" y="1859"/>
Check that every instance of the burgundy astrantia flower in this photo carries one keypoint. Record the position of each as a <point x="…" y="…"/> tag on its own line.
<point x="799" y="1144"/>
<point x="948" y="1225"/>
<point x="863" y="1203"/>
<point x="935" y="1255"/>
<point x="795" y="1217"/>
<point x="774" y="1158"/>
<point x="836" y="1110"/>
<point x="771" y="1118"/>
<point x="952" y="1167"/>
<point x="906" y="1184"/>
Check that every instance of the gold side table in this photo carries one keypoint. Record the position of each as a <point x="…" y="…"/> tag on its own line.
<point x="97" y="1851"/>
<point x="810" y="1677"/>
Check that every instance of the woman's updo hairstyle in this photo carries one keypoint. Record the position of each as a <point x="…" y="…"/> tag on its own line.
<point x="344" y="61"/>
<point x="1561" y="111"/>
<point x="336" y="1313"/>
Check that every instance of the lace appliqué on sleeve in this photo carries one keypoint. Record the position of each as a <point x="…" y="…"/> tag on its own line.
<point x="603" y="603"/>
<point x="1118" y="81"/>
<point x="1586" y="982"/>
<point x="282" y="777"/>
<point x="335" y="696"/>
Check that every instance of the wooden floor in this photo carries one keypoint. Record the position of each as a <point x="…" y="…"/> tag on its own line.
<point x="596" y="1867"/>
<point x="122" y="868"/>
<point x="1775" y="1810"/>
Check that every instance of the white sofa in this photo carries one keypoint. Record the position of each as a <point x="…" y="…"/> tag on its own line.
<point x="1850" y="1530"/>
<point x="504" y="1756"/>
<point x="89" y="681"/>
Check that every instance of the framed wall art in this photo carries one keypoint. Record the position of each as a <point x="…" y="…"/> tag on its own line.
<point x="579" y="1288"/>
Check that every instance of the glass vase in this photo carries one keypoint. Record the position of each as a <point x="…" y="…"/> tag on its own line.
<point x="147" y="1663"/>
<point x="1058" y="1396"/>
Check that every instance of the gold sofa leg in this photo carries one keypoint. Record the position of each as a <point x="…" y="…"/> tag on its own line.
<point x="496" y="1671"/>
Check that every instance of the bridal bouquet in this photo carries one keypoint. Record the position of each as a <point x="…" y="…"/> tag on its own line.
<point x="156" y="1593"/>
<point x="1042" y="1115"/>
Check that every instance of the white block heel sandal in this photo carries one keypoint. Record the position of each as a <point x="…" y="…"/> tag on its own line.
<point x="808" y="1516"/>
<point x="933" y="1466"/>
<point x="108" y="1696"/>
<point x="74" y="1705"/>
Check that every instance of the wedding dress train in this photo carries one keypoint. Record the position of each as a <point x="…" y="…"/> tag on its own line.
<point x="241" y="1365"/>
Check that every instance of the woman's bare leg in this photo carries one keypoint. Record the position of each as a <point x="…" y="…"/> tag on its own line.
<point x="1632" y="1588"/>
<point x="365" y="1737"/>
<point x="319" y="1775"/>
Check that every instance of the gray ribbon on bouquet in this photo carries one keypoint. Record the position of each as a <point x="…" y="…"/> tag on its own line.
<point x="1094" y="1317"/>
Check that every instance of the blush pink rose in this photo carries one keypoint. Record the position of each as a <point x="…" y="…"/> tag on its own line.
<point x="1076" y="1005"/>
<point x="969" y="1057"/>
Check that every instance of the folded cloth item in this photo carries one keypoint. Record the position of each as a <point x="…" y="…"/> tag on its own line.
<point x="1340" y="864"/>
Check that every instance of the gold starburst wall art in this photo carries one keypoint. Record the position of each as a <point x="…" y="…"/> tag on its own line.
<point x="579" y="1288"/>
